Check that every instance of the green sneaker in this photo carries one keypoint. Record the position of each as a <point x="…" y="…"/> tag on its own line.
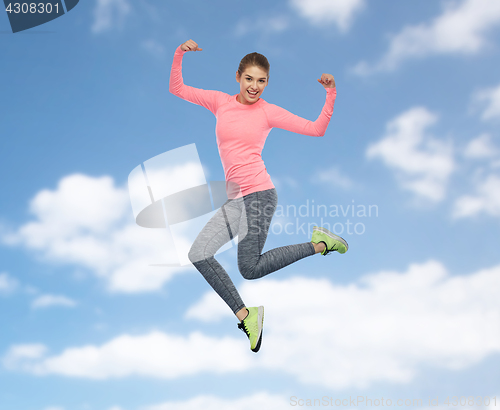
<point x="332" y="241"/>
<point x="252" y="326"/>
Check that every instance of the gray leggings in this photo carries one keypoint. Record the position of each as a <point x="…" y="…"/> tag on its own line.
<point x="248" y="217"/>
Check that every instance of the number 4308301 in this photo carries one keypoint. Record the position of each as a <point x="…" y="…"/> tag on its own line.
<point x="32" y="8"/>
<point x="470" y="401"/>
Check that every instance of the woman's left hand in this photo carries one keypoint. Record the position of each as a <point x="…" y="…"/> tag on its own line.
<point x="327" y="81"/>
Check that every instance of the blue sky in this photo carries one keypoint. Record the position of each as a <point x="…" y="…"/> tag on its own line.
<point x="411" y="311"/>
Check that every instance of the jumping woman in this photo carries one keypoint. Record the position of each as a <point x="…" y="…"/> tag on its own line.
<point x="244" y="121"/>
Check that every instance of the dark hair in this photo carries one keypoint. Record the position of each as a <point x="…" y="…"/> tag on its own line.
<point x="254" y="59"/>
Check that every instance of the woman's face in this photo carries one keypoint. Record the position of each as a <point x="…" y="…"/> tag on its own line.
<point x="252" y="83"/>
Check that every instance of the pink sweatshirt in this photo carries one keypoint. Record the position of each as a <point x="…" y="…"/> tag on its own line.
<point x="241" y="130"/>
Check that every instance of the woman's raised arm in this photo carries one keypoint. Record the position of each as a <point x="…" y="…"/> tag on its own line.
<point x="206" y="98"/>
<point x="278" y="117"/>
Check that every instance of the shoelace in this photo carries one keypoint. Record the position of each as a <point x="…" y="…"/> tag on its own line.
<point x="328" y="251"/>
<point x="242" y="326"/>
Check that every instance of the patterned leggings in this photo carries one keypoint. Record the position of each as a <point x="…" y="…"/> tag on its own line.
<point x="249" y="217"/>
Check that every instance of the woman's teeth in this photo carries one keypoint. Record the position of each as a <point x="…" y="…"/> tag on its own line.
<point x="252" y="94"/>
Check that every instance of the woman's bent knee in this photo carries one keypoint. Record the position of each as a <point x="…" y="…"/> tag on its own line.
<point x="247" y="272"/>
<point x="196" y="254"/>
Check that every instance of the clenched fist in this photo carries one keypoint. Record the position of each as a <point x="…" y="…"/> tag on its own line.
<point x="327" y="81"/>
<point x="190" y="45"/>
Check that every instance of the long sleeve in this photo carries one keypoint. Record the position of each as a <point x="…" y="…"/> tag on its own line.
<point x="206" y="98"/>
<point x="280" y="118"/>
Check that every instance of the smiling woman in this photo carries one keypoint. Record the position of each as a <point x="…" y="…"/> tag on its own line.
<point x="244" y="121"/>
<point x="253" y="76"/>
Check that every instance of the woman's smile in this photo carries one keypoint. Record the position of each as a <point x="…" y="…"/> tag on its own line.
<point x="252" y="84"/>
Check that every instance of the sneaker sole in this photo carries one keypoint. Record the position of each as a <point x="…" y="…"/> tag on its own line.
<point x="332" y="235"/>
<point x="260" y="317"/>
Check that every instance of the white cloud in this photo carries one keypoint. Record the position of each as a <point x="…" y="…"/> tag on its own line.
<point x="109" y="14"/>
<point x="481" y="147"/>
<point x="213" y="303"/>
<point x="17" y="356"/>
<point x="285" y="182"/>
<point x="460" y="29"/>
<point x="155" y="355"/>
<point x="322" y="12"/>
<point x="44" y="301"/>
<point x="385" y="327"/>
<point x="261" y="25"/>
<point x="486" y="199"/>
<point x="490" y="96"/>
<point x="317" y="12"/>
<point x="88" y="222"/>
<point x="255" y="401"/>
<point x="7" y="283"/>
<point x="382" y="328"/>
<point x="332" y="176"/>
<point x="422" y="163"/>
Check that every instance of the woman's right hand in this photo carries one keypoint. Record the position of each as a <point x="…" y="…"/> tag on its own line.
<point x="190" y="45"/>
